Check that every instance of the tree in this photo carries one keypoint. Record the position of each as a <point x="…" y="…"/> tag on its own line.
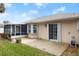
<point x="2" y="8"/>
<point x="6" y="22"/>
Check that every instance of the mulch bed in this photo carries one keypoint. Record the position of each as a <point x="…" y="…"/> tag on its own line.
<point x="71" y="52"/>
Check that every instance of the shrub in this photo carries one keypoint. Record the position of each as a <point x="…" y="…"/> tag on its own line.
<point x="18" y="40"/>
<point x="5" y="36"/>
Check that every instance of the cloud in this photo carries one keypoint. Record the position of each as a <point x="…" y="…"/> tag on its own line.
<point x="4" y="14"/>
<point x="8" y="5"/>
<point x="25" y="16"/>
<point x="33" y="12"/>
<point x="40" y="5"/>
<point x="17" y="17"/>
<point x="30" y="13"/>
<point x="25" y="4"/>
<point x="60" y="9"/>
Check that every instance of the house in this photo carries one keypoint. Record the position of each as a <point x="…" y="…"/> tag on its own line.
<point x="58" y="28"/>
<point x="1" y="28"/>
<point x="15" y="30"/>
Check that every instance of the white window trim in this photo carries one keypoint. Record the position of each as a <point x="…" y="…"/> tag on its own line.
<point x="31" y="28"/>
<point x="59" y="32"/>
<point x="77" y="25"/>
<point x="11" y="29"/>
<point x="20" y="29"/>
<point x="28" y="28"/>
<point x="35" y="29"/>
<point x="15" y="30"/>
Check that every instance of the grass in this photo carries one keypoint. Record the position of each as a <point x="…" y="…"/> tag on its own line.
<point x="13" y="49"/>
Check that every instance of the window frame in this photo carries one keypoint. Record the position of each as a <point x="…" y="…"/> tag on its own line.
<point x="28" y="28"/>
<point x="35" y="28"/>
<point x="54" y="30"/>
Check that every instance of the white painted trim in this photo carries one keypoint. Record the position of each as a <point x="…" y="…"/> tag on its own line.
<point x="20" y="29"/>
<point x="27" y="29"/>
<point x="1" y="30"/>
<point x="31" y="28"/>
<point x="59" y="32"/>
<point x="10" y="29"/>
<point x="18" y="36"/>
<point x="77" y="25"/>
<point x="48" y="31"/>
<point x="37" y="27"/>
<point x="15" y="30"/>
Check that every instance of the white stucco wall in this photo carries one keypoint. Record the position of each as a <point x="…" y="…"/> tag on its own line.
<point x="1" y="30"/>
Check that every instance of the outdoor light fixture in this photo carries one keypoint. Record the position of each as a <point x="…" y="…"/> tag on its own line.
<point x="45" y="25"/>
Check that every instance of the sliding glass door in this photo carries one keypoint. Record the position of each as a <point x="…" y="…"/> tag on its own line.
<point x="53" y="31"/>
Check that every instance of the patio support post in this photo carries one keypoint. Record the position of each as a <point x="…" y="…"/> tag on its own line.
<point x="20" y="29"/>
<point x="11" y="29"/>
<point x="27" y="29"/>
<point x="15" y="30"/>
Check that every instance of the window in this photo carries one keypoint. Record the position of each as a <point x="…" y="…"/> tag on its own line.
<point x="29" y="29"/>
<point x="34" y="28"/>
<point x="7" y="29"/>
<point x="52" y="31"/>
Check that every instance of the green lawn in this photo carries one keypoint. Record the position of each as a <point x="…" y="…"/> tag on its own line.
<point x="13" y="49"/>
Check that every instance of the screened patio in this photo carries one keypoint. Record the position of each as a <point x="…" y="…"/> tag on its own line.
<point x="15" y="29"/>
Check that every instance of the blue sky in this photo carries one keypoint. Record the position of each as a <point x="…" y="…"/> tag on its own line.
<point x="22" y="12"/>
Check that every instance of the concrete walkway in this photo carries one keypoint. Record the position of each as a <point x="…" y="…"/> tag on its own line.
<point x="47" y="46"/>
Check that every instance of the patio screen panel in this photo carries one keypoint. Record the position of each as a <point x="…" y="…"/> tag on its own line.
<point x="23" y="29"/>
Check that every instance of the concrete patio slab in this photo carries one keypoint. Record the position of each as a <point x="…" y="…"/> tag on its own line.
<point x="47" y="46"/>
